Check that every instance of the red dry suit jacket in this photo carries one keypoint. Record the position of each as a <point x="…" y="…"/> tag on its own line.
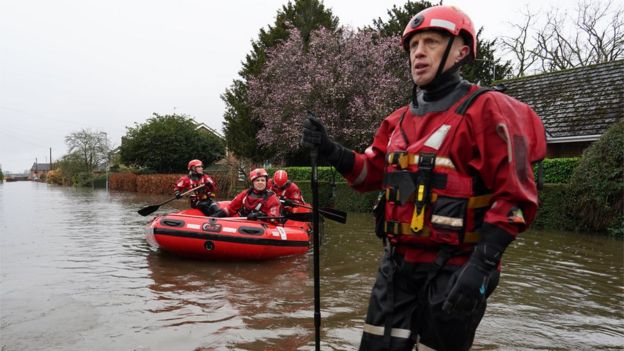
<point x="290" y="191"/>
<point x="482" y="172"/>
<point x="251" y="200"/>
<point x="186" y="183"/>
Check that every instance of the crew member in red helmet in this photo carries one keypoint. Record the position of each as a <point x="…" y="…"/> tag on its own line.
<point x="285" y="189"/>
<point x="257" y="201"/>
<point x="201" y="199"/>
<point x="455" y="166"/>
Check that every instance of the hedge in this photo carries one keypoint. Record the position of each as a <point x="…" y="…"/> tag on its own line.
<point x="298" y="174"/>
<point x="123" y="182"/>
<point x="345" y="198"/>
<point x="552" y="212"/>
<point x="558" y="170"/>
<point x="157" y="183"/>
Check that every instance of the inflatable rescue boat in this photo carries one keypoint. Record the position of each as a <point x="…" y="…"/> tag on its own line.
<point x="189" y="233"/>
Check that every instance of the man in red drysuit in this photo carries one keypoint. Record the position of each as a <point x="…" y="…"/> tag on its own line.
<point x="285" y="189"/>
<point x="201" y="198"/>
<point x="455" y="166"/>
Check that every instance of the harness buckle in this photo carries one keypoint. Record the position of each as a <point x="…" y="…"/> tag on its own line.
<point x="426" y="163"/>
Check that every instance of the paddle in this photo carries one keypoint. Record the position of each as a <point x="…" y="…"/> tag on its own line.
<point x="152" y="208"/>
<point x="329" y="213"/>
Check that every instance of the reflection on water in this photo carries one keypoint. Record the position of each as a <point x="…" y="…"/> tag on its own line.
<point x="76" y="274"/>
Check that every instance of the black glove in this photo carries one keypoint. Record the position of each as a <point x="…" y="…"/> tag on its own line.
<point x="315" y="135"/>
<point x="287" y="202"/>
<point x="219" y="213"/>
<point x="468" y="287"/>
<point x="252" y="216"/>
<point x="178" y="195"/>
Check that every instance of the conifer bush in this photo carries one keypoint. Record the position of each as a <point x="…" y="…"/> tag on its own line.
<point x="597" y="184"/>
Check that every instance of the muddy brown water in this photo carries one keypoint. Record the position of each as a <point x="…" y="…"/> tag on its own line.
<point x="77" y="274"/>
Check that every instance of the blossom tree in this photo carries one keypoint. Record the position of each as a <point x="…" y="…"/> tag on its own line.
<point x="350" y="80"/>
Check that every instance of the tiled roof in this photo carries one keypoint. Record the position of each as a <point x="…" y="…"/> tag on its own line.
<point x="577" y="102"/>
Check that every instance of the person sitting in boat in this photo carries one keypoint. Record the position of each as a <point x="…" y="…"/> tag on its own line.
<point x="257" y="201"/>
<point x="201" y="198"/>
<point x="287" y="191"/>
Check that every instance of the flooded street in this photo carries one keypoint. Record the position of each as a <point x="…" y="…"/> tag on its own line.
<point x="77" y="274"/>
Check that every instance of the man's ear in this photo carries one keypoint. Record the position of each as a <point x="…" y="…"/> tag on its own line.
<point x="464" y="50"/>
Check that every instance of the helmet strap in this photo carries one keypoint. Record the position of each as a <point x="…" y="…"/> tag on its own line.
<point x="444" y="58"/>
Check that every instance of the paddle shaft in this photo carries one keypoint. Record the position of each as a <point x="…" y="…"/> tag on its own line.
<point x="329" y="213"/>
<point x="317" y="244"/>
<point x="150" y="209"/>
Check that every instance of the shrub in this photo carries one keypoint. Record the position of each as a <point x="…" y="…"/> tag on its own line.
<point x="123" y="182"/>
<point x="99" y="181"/>
<point x="552" y="212"/>
<point x="558" y="170"/>
<point x="345" y="199"/>
<point x="597" y="184"/>
<point x="297" y="174"/>
<point x="157" y="183"/>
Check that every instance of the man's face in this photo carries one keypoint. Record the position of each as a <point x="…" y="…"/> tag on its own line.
<point x="199" y="169"/>
<point x="426" y="51"/>
<point x="259" y="183"/>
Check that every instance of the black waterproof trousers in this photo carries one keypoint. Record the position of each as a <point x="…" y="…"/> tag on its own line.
<point x="406" y="308"/>
<point x="208" y="207"/>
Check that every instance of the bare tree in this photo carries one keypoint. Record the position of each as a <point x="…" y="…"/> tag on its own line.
<point x="518" y="45"/>
<point x="91" y="148"/>
<point x="596" y="35"/>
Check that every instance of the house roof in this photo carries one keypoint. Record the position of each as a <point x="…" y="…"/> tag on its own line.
<point x="40" y="167"/>
<point x="577" y="104"/>
<point x="205" y="127"/>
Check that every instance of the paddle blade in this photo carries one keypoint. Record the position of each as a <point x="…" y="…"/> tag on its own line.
<point x="148" y="210"/>
<point x="301" y="217"/>
<point x="334" y="215"/>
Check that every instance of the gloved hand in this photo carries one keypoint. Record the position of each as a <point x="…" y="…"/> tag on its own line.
<point x="468" y="287"/>
<point x="315" y="135"/>
<point x="178" y="195"/>
<point x="252" y="216"/>
<point x="287" y="202"/>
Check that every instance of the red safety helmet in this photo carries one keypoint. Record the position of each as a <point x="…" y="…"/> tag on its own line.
<point x="280" y="178"/>
<point x="446" y="18"/>
<point x="258" y="172"/>
<point x="194" y="163"/>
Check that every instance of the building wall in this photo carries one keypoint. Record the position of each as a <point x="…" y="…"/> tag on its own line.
<point x="576" y="149"/>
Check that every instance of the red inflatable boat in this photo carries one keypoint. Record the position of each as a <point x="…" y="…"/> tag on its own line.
<point x="190" y="233"/>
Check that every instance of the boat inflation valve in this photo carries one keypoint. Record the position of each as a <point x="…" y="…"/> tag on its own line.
<point x="209" y="245"/>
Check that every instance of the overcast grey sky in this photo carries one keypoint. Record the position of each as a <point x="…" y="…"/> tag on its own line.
<point x="66" y="65"/>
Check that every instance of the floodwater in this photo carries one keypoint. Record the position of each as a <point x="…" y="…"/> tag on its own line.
<point x="77" y="274"/>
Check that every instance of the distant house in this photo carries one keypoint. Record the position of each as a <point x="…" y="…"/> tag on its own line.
<point x="576" y="105"/>
<point x="39" y="171"/>
<point x="204" y="127"/>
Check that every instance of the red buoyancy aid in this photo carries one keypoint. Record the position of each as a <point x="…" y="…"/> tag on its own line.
<point x="289" y="191"/>
<point x="248" y="201"/>
<point x="208" y="191"/>
<point x="447" y="172"/>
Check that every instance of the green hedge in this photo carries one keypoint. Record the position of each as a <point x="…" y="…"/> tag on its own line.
<point x="552" y="211"/>
<point x="345" y="199"/>
<point x="558" y="170"/>
<point x="298" y="174"/>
